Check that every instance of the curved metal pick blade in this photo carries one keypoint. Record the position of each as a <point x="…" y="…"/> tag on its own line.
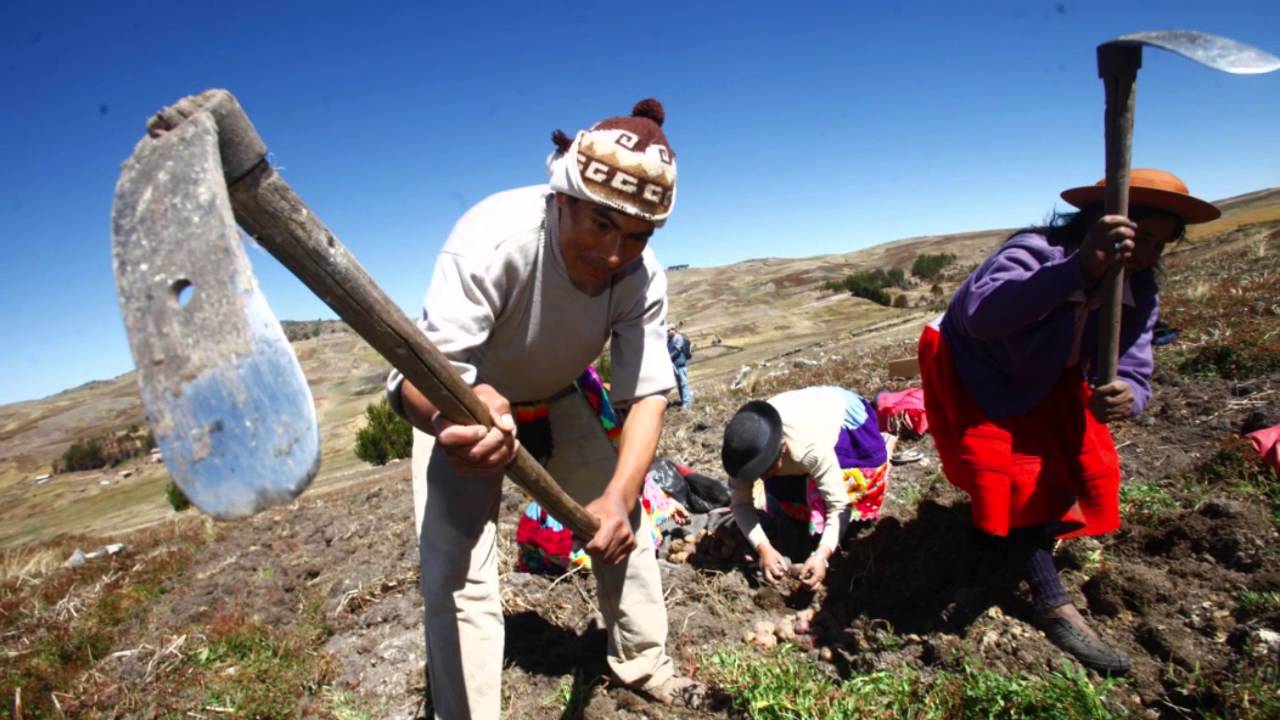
<point x="223" y="391"/>
<point x="1217" y="52"/>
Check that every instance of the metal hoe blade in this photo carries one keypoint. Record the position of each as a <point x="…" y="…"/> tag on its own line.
<point x="1217" y="52"/>
<point x="223" y="391"/>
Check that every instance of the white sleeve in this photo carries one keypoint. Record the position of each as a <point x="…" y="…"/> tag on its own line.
<point x="457" y="315"/>
<point x="640" y="363"/>
<point x="744" y="513"/>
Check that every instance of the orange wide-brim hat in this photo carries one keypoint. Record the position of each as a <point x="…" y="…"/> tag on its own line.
<point x="1152" y="188"/>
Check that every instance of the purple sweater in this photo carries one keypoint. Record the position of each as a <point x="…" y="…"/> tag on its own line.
<point x="1011" y="324"/>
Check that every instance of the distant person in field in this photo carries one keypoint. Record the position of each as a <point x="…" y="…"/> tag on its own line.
<point x="526" y="291"/>
<point x="824" y="464"/>
<point x="681" y="351"/>
<point x="1008" y="372"/>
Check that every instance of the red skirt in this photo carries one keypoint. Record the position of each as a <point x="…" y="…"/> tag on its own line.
<point x="1054" y="465"/>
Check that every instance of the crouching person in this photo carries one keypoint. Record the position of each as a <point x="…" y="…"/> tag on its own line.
<point x="525" y="292"/>
<point x="823" y="461"/>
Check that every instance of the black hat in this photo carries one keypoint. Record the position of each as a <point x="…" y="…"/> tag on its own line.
<point x="752" y="441"/>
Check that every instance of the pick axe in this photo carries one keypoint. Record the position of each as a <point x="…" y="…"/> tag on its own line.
<point x="222" y="389"/>
<point x="1118" y="63"/>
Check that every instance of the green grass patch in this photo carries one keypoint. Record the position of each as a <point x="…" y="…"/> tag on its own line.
<point x="1237" y="466"/>
<point x="1252" y="692"/>
<point x="1254" y="697"/>
<point x="1233" y="469"/>
<point x="574" y="693"/>
<point x="255" y="673"/>
<point x="1144" y="501"/>
<point x="787" y="686"/>
<point x="1257" y="604"/>
<point x="910" y="494"/>
<point x="346" y="705"/>
<point x="262" y="672"/>
<point x="1243" y="359"/>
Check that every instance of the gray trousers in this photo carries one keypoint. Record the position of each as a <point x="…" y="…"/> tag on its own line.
<point x="457" y="525"/>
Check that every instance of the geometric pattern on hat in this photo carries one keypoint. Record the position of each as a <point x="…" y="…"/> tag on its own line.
<point x="625" y="163"/>
<point x="615" y="164"/>
<point x="1151" y="188"/>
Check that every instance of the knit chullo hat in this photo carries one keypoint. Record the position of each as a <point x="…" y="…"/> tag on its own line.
<point x="623" y="163"/>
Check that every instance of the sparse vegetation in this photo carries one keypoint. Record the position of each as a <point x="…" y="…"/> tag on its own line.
<point x="1256" y="697"/>
<point x="1259" y="603"/>
<point x="1236" y="465"/>
<point x="1228" y="315"/>
<point x="1241" y="360"/>
<point x="1144" y="501"/>
<point x="255" y="671"/>
<point x="58" y="626"/>
<point x="295" y="330"/>
<point x="385" y="436"/>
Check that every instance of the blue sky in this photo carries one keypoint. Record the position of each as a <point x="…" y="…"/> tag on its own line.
<point x="800" y="128"/>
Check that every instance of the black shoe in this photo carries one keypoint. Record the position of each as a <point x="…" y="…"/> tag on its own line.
<point x="1092" y="653"/>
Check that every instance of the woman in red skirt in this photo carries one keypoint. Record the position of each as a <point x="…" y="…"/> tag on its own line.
<point x="1006" y="373"/>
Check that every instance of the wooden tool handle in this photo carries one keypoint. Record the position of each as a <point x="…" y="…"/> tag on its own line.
<point x="1118" y="67"/>
<point x="281" y="222"/>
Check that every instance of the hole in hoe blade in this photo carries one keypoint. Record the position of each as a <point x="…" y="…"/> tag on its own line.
<point x="182" y="291"/>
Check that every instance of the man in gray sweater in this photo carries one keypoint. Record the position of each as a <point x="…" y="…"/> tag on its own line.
<point x="526" y="291"/>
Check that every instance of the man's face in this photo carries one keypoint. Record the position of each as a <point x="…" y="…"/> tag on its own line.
<point x="597" y="242"/>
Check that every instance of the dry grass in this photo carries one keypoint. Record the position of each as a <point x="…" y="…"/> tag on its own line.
<point x="1233" y="218"/>
<point x="27" y="563"/>
<point x="1227" y="304"/>
<point x="57" y="623"/>
<point x="72" y="639"/>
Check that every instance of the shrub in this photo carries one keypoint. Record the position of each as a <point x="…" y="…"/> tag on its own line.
<point x="901" y="301"/>
<point x="385" y="437"/>
<point x="1242" y="360"/>
<point x="870" y="284"/>
<point x="928" y="266"/>
<point x="865" y="288"/>
<point x="177" y="499"/>
<point x="84" y="455"/>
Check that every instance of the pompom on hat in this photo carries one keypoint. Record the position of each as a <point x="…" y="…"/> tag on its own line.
<point x="624" y="163"/>
<point x="1151" y="188"/>
<point x="752" y="441"/>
